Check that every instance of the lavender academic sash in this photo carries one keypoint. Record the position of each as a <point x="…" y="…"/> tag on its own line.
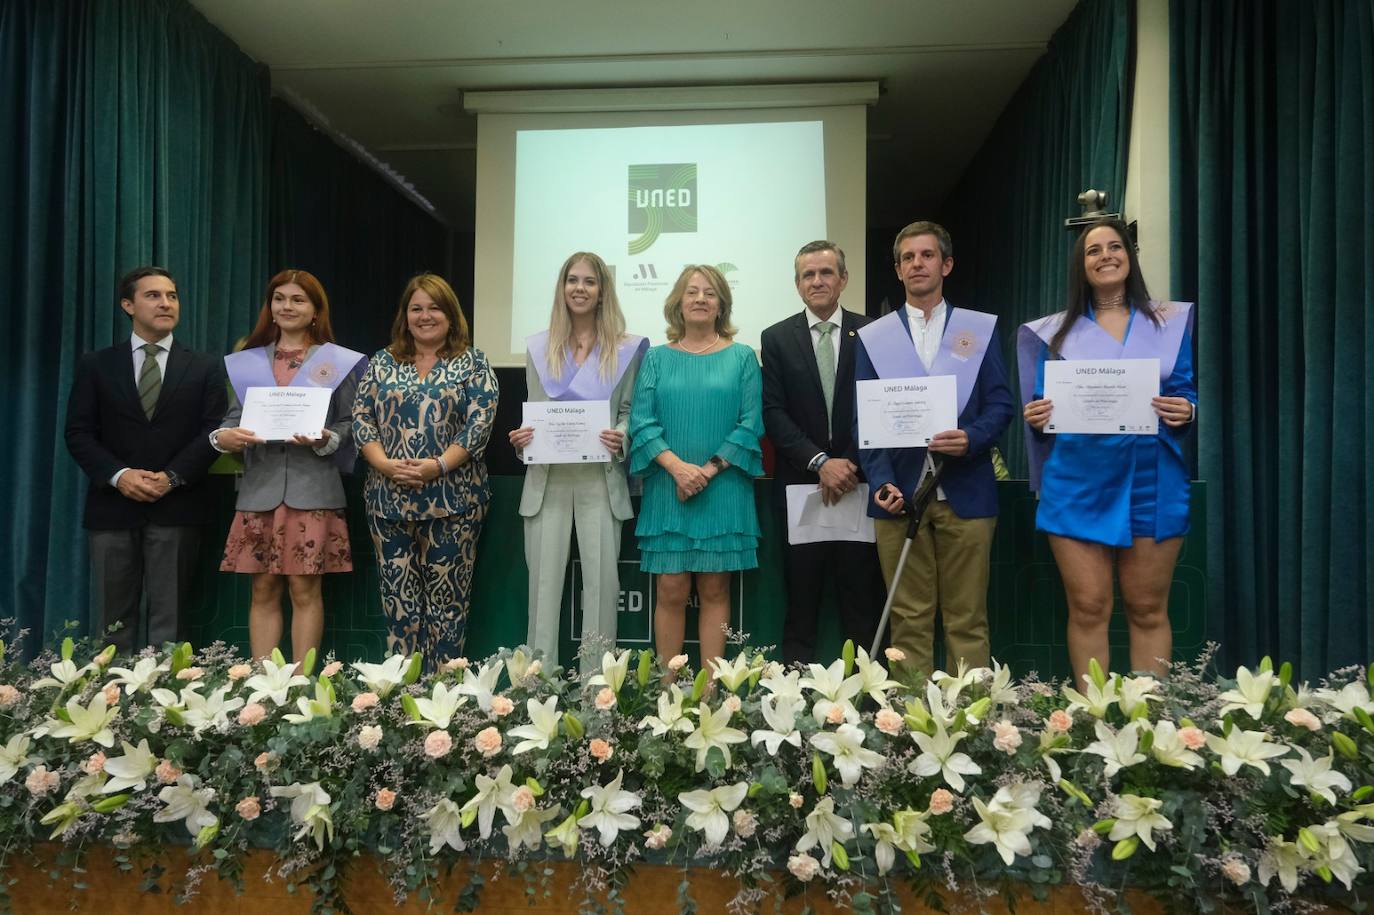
<point x="1087" y="340"/>
<point x="583" y="382"/>
<point x="327" y="367"/>
<point x="962" y="348"/>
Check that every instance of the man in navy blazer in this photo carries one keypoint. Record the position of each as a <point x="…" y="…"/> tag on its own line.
<point x="813" y="439"/>
<point x="138" y="424"/>
<point x="947" y="568"/>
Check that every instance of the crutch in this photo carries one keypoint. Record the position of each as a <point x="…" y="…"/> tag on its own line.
<point x="916" y="508"/>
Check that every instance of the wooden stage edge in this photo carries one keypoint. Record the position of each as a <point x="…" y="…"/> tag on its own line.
<point x="651" y="889"/>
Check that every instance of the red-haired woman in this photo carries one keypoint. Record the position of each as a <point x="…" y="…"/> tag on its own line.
<point x="289" y="526"/>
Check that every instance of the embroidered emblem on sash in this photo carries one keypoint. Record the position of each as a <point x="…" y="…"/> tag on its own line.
<point x="963" y="345"/>
<point x="322" y="373"/>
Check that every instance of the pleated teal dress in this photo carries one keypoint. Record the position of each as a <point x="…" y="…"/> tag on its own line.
<point x="696" y="407"/>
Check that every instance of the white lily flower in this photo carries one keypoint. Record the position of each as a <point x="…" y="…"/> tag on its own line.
<point x="309" y="810"/>
<point x="543" y="726"/>
<point x="938" y="755"/>
<point x="141" y="676"/>
<point x="713" y="730"/>
<point x="13" y="756"/>
<point x="709" y="809"/>
<point x="132" y="769"/>
<point x="873" y="678"/>
<point x="88" y="722"/>
<point x="64" y="674"/>
<point x="1251" y="692"/>
<point x="274" y="682"/>
<point x="835" y="689"/>
<point x="846" y="745"/>
<point x="823" y="828"/>
<point x="1093" y="700"/>
<point x="445" y="822"/>
<point x="1284" y="859"/>
<point x="202" y="712"/>
<point x="783" y="685"/>
<point x="670" y="716"/>
<point x="528" y="828"/>
<point x="906" y="833"/>
<point x="942" y="708"/>
<point x="1138" y="816"/>
<point x="1348" y="698"/>
<point x="1005" y="827"/>
<point x="1244" y="748"/>
<point x="1316" y="775"/>
<point x="518" y="666"/>
<point x="954" y="684"/>
<point x="780" y="712"/>
<point x="610" y="806"/>
<point x="1350" y="826"/>
<point x="384" y="677"/>
<point x="1135" y="694"/>
<point x="565" y="835"/>
<point x="733" y="674"/>
<point x="1000" y="690"/>
<point x="1335" y="854"/>
<point x="481" y="684"/>
<point x="614" y="667"/>
<point x="186" y="802"/>
<point x="493" y="793"/>
<point x="436" y="710"/>
<point x="1022" y="796"/>
<point x="1168" y="747"/>
<point x="1117" y="749"/>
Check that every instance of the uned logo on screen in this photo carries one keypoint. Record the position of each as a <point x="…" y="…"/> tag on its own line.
<point x="662" y="198"/>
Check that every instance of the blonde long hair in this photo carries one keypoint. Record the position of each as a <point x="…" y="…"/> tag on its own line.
<point x="610" y="321"/>
<point x="672" y="306"/>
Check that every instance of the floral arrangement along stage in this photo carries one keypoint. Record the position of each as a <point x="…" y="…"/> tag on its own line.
<point x="833" y="779"/>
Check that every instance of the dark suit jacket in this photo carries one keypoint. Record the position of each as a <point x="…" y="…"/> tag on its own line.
<point x="107" y="431"/>
<point x="968" y="481"/>
<point x="793" y="406"/>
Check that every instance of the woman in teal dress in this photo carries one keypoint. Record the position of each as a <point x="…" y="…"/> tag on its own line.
<point x="695" y="426"/>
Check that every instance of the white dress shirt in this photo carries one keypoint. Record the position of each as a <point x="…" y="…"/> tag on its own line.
<point x="925" y="336"/>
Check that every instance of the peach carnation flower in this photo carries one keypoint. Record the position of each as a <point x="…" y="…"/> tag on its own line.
<point x="600" y="749"/>
<point x="438" y="744"/>
<point x="251" y="714"/>
<point x="167" y="773"/>
<point x="889" y="722"/>
<point x="1192" y="738"/>
<point x="385" y="799"/>
<point x="94" y="763"/>
<point x="501" y="706"/>
<point x="605" y="699"/>
<point x="941" y="801"/>
<point x="240" y="671"/>
<point x="332" y="668"/>
<point x="9" y="695"/>
<point x="248" y="808"/>
<point x="487" y="741"/>
<point x="364" y="701"/>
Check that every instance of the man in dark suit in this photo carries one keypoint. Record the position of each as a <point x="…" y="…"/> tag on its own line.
<point x="138" y="423"/>
<point x="947" y="568"/>
<point x="808" y="410"/>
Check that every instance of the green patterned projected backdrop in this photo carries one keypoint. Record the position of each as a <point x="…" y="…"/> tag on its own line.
<point x="1025" y="599"/>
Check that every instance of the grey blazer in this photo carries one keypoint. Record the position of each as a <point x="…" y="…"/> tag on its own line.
<point x="537" y="475"/>
<point x="280" y="472"/>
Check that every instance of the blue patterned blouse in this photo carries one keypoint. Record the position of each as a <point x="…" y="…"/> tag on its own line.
<point x="414" y="417"/>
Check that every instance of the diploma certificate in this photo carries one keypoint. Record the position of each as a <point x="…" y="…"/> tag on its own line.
<point x="277" y="414"/>
<point x="906" y="412"/>
<point x="1102" y="396"/>
<point x="567" y="431"/>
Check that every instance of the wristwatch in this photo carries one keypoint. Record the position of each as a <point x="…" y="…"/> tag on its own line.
<point x="173" y="479"/>
<point x="717" y="462"/>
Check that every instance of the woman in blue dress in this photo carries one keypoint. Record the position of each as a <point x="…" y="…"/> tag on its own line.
<point x="1113" y="500"/>
<point x="695" y="424"/>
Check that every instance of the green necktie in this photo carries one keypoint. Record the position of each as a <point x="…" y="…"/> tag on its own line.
<point x="149" y="380"/>
<point x="825" y="362"/>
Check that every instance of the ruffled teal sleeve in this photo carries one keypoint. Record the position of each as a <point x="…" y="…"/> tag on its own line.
<point x="741" y="447"/>
<point x="646" y="432"/>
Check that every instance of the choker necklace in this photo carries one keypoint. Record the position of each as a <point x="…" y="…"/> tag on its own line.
<point x="1108" y="304"/>
<point x="698" y="352"/>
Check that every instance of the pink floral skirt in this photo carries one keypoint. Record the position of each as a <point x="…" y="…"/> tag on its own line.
<point x="288" y="541"/>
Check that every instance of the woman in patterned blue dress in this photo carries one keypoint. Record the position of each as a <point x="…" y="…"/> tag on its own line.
<point x="421" y="418"/>
<point x="695" y="424"/>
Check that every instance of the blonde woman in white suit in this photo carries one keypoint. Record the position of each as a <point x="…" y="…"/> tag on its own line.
<point x="584" y="355"/>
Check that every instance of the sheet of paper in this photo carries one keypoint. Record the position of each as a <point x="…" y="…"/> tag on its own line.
<point x="276" y="414"/>
<point x="906" y="412"/>
<point x="567" y="431"/>
<point x="1102" y="396"/>
<point x="810" y="521"/>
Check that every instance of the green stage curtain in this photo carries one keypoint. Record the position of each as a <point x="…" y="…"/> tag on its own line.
<point x="336" y="217"/>
<point x="1272" y="127"/>
<point x="1066" y="129"/>
<point x="134" y="133"/>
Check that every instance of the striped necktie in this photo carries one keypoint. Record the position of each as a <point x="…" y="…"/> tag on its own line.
<point x="149" y="380"/>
